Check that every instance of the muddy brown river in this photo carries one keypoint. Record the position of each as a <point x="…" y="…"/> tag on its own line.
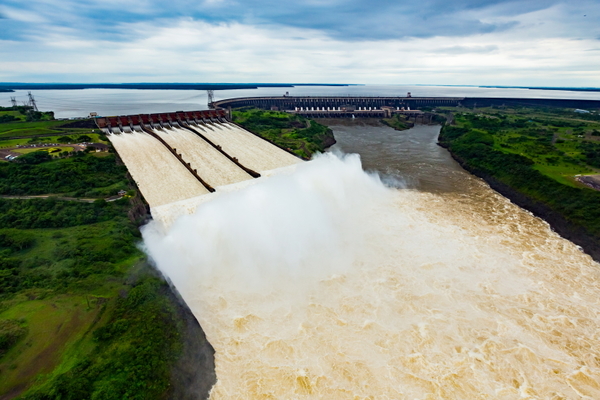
<point x="417" y="283"/>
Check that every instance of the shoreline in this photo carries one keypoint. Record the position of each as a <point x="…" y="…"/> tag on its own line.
<point x="558" y="223"/>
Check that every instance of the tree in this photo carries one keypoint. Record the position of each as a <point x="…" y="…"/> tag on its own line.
<point x="36" y="157"/>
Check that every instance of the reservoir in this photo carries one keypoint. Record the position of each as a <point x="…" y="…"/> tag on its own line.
<point x="414" y="280"/>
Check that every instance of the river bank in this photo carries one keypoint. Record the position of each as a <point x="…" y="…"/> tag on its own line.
<point x="533" y="157"/>
<point x="561" y="225"/>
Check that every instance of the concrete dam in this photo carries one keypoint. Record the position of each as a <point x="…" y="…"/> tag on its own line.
<point x="326" y="283"/>
<point x="177" y="156"/>
<point x="383" y="107"/>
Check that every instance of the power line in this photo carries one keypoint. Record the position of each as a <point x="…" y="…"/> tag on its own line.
<point x="32" y="101"/>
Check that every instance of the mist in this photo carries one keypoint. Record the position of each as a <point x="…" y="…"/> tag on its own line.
<point x="324" y="282"/>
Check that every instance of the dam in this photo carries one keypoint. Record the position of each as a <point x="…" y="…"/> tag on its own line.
<point x="383" y="106"/>
<point x="178" y="156"/>
<point x="326" y="283"/>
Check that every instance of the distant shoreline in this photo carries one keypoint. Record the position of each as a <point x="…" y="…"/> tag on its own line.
<point x="570" y="89"/>
<point x="11" y="87"/>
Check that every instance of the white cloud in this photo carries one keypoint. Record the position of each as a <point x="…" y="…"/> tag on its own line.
<point x="187" y="50"/>
<point x="21" y="15"/>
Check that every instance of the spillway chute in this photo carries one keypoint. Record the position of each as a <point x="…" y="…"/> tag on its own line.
<point x="178" y="156"/>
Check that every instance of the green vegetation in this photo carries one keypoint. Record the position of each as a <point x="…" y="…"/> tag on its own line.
<point x="398" y="122"/>
<point x="302" y="136"/>
<point x="82" y="315"/>
<point x="23" y="121"/>
<point x="81" y="175"/>
<point x="23" y="113"/>
<point x="95" y="137"/>
<point x="536" y="154"/>
<point x="560" y="145"/>
<point x="51" y="213"/>
<point x="11" y="331"/>
<point x="132" y="351"/>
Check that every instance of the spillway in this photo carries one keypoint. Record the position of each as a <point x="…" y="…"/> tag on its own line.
<point x="158" y="173"/>
<point x="253" y="152"/>
<point x="212" y="166"/>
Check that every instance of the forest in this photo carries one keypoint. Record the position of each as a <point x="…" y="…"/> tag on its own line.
<point x="535" y="156"/>
<point x="83" y="173"/>
<point x="82" y="314"/>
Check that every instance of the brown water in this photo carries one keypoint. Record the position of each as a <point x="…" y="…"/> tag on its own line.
<point x="410" y="157"/>
<point x="324" y="284"/>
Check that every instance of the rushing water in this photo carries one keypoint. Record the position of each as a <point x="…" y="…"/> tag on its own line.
<point x="323" y="283"/>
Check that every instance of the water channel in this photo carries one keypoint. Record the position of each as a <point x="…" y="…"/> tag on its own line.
<point x="325" y="284"/>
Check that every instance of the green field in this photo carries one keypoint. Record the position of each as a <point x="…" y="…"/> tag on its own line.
<point x="46" y="128"/>
<point x="7" y="115"/>
<point x="559" y="143"/>
<point x="21" y="121"/>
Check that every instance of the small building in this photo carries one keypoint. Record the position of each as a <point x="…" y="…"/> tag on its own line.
<point x="98" y="146"/>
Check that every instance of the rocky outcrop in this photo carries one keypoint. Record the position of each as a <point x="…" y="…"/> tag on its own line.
<point x="193" y="375"/>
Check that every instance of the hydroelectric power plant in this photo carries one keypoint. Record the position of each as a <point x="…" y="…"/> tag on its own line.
<point x="327" y="282"/>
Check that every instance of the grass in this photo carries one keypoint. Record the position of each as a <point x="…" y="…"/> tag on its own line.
<point x="552" y="139"/>
<point x="15" y="114"/>
<point x="57" y="326"/>
<point x="564" y="174"/>
<point x="297" y="134"/>
<point x="32" y="149"/>
<point x="60" y="318"/>
<point x="398" y="122"/>
<point x="10" y="143"/>
<point x="52" y="128"/>
<point x="10" y="129"/>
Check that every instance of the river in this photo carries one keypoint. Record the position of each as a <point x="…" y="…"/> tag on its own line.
<point x="324" y="283"/>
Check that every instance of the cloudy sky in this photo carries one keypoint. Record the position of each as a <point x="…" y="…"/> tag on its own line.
<point x="473" y="42"/>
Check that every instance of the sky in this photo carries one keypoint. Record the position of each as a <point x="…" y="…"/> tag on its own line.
<point x="469" y="42"/>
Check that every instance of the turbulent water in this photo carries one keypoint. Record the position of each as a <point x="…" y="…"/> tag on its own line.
<point x="325" y="283"/>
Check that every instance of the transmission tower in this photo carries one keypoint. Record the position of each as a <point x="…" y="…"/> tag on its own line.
<point x="32" y="101"/>
<point x="211" y="97"/>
